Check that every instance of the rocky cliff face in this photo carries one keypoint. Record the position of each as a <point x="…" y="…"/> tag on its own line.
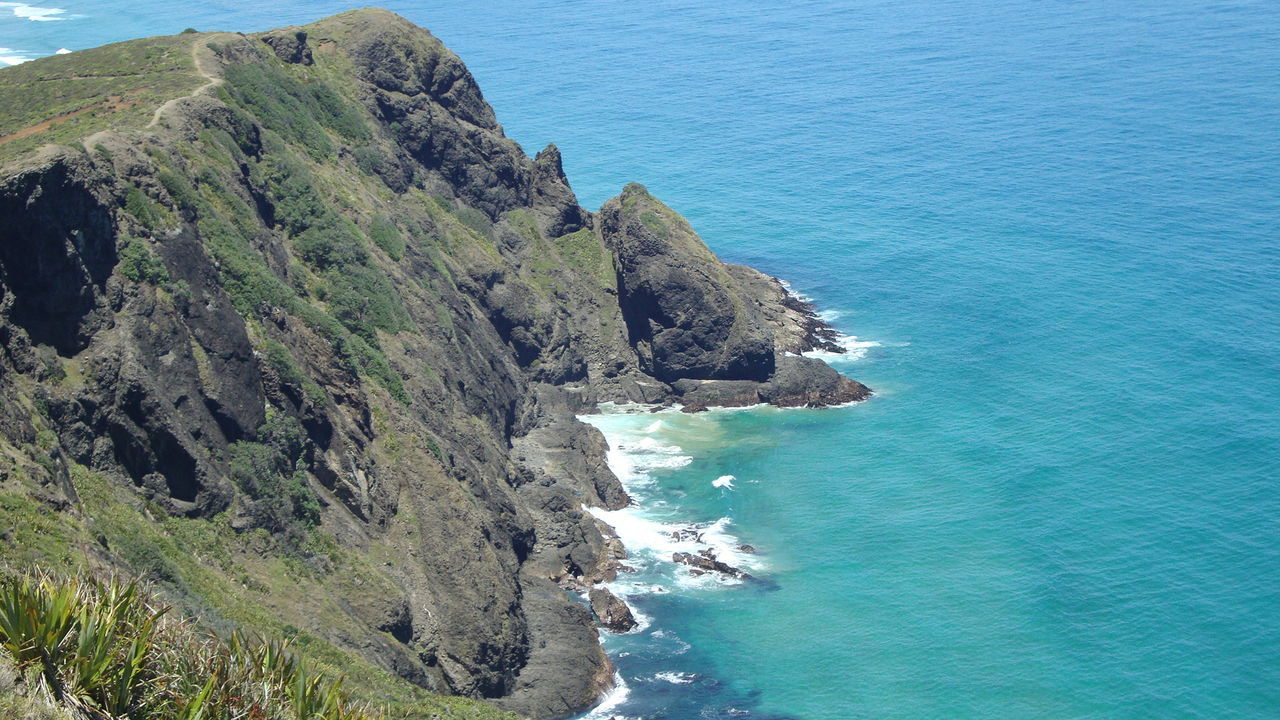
<point x="323" y="308"/>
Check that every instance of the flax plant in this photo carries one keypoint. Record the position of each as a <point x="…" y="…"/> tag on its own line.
<point x="102" y="649"/>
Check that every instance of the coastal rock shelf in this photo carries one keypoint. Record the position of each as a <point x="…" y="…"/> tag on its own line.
<point x="296" y="331"/>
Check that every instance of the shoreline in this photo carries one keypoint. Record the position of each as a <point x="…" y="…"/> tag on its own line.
<point x="650" y="545"/>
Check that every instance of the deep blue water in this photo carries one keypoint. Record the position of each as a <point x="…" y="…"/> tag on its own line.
<point x="1059" y="222"/>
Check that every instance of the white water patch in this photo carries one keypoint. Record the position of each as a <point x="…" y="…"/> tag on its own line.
<point x="612" y="699"/>
<point x="644" y="621"/>
<point x="829" y="315"/>
<point x="638" y="449"/>
<point x="793" y="292"/>
<point x="651" y="545"/>
<point x="62" y="51"/>
<point x="854" y="349"/>
<point x="35" y="13"/>
<point x="9" y="56"/>
<point x="681" y="647"/>
<point x="676" y="678"/>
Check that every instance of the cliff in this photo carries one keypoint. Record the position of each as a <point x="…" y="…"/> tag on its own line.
<point x="289" y="325"/>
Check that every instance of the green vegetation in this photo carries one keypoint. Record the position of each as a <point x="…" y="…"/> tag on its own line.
<point x="226" y="579"/>
<point x="137" y="204"/>
<point x="524" y="224"/>
<point x="63" y="98"/>
<point x="270" y="472"/>
<point x="586" y="252"/>
<point x="140" y="264"/>
<point x="361" y="299"/>
<point x="107" y="650"/>
<point x="179" y="188"/>
<point x="283" y="362"/>
<point x="384" y="233"/>
<point x="472" y="218"/>
<point x="299" y="110"/>
<point x="360" y="295"/>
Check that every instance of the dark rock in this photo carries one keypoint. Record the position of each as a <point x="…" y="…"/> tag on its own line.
<point x="706" y="562"/>
<point x="686" y="535"/>
<point x="291" y="47"/>
<point x="808" y="382"/>
<point x="551" y="191"/>
<point x="612" y="613"/>
<point x="684" y="314"/>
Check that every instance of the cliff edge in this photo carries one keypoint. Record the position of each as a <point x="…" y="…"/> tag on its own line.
<point x="289" y="325"/>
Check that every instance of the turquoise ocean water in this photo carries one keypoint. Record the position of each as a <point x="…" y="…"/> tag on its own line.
<point x="1053" y="228"/>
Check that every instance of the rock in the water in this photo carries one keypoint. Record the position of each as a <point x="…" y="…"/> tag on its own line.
<point x="707" y="562"/>
<point x="686" y="535"/>
<point x="809" y="382"/>
<point x="611" y="611"/>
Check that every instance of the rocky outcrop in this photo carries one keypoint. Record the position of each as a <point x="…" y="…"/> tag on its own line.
<point x="611" y="612"/>
<point x="704" y="561"/>
<point x="334" y="302"/>
<point x="290" y="47"/>
<point x="685" y="315"/>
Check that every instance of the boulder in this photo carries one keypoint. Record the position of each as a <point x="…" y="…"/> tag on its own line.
<point x="612" y="613"/>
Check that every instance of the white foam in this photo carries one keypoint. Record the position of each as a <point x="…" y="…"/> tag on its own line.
<point x="34" y="13"/>
<point x="829" y="315"/>
<point x="676" y="678"/>
<point x="682" y="647"/>
<point x="611" y="700"/>
<point x="643" y="621"/>
<point x="651" y="539"/>
<point x="62" y="51"/>
<point x="854" y="349"/>
<point x="793" y="292"/>
<point x="9" y="56"/>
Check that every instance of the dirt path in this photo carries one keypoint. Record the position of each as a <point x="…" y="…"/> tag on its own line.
<point x="198" y="51"/>
<point x="113" y="103"/>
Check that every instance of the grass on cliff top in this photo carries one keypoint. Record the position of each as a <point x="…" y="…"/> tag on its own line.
<point x="63" y="98"/>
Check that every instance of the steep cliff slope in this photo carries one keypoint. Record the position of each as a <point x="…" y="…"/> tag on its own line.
<point x="288" y="324"/>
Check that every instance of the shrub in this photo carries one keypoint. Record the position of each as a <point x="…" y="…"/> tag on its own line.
<point x="283" y="362"/>
<point x="140" y="264"/>
<point x="179" y="188"/>
<point x="299" y="111"/>
<point x="363" y="299"/>
<point x="384" y="233"/>
<point x="268" y="471"/>
<point x="104" y="649"/>
<point x="137" y="204"/>
<point x="332" y="242"/>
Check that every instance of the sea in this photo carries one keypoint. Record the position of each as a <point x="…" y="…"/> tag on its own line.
<point x="1049" y="231"/>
